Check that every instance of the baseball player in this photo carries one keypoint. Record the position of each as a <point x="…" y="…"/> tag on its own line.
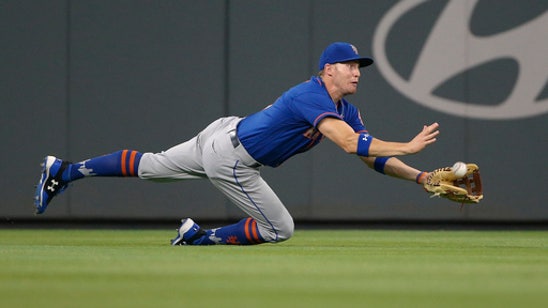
<point x="231" y="150"/>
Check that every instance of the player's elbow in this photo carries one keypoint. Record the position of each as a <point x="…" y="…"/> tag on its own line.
<point x="349" y="146"/>
<point x="349" y="150"/>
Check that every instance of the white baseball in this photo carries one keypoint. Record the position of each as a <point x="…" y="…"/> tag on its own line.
<point x="459" y="169"/>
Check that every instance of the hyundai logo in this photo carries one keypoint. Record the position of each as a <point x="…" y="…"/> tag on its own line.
<point x="450" y="50"/>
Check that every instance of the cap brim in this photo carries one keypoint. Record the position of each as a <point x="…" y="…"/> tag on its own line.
<point x="363" y="61"/>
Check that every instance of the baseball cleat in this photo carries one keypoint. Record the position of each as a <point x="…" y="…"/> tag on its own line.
<point x="188" y="232"/>
<point x="51" y="182"/>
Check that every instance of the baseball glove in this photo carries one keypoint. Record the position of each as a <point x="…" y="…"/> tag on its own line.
<point x="444" y="183"/>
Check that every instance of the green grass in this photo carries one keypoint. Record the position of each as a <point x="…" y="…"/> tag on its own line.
<point x="316" y="268"/>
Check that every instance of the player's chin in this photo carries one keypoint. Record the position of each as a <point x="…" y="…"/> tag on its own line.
<point x="352" y="89"/>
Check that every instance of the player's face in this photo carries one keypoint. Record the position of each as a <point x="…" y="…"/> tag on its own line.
<point x="346" y="77"/>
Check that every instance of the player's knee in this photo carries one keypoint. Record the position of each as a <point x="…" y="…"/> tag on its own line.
<point x="277" y="232"/>
<point x="285" y="231"/>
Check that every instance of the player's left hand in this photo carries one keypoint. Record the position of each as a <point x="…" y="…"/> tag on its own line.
<point x="423" y="139"/>
<point x="443" y="182"/>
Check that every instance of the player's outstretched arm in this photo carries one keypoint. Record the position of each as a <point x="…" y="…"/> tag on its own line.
<point x="395" y="168"/>
<point x="423" y="139"/>
<point x="344" y="136"/>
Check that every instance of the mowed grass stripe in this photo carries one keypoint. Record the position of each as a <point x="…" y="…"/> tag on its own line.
<point x="316" y="268"/>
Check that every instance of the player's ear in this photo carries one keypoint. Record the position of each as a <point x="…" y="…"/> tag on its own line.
<point x="328" y="69"/>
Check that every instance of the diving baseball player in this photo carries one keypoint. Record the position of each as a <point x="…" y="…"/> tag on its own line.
<point x="231" y="150"/>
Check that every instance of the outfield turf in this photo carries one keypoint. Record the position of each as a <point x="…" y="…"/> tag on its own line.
<point x="316" y="268"/>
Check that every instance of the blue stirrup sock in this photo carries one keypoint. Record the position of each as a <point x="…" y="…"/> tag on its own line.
<point x="244" y="232"/>
<point x="123" y="163"/>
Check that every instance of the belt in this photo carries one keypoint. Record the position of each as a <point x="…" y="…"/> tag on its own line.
<point x="234" y="138"/>
<point x="236" y="142"/>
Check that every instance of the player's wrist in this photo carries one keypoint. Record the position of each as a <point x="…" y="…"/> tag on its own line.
<point x="421" y="177"/>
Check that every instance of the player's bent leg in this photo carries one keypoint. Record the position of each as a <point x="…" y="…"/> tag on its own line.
<point x="236" y="175"/>
<point x="253" y="195"/>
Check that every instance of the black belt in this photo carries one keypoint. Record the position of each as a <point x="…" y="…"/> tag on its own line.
<point x="234" y="138"/>
<point x="236" y="142"/>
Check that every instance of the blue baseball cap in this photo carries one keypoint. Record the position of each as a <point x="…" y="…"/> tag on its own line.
<point x="342" y="52"/>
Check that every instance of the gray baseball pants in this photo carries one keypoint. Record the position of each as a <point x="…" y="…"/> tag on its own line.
<point x="216" y="154"/>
